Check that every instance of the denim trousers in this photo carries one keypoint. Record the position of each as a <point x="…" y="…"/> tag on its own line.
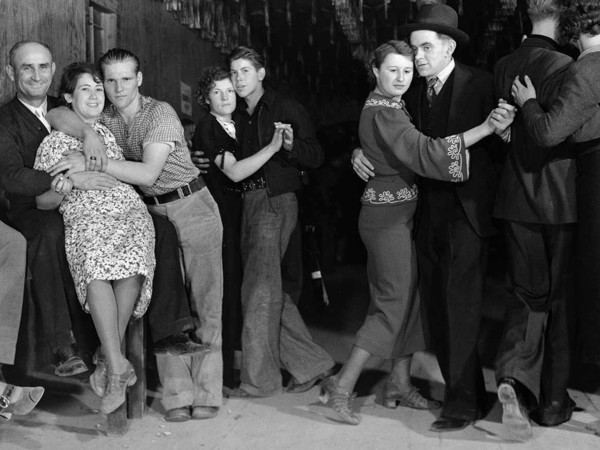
<point x="274" y="336"/>
<point x="197" y="380"/>
<point x="13" y="249"/>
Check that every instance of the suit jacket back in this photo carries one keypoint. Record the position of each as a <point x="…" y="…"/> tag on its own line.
<point x="534" y="187"/>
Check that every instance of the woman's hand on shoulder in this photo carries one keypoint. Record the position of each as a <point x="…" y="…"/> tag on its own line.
<point x="522" y="92"/>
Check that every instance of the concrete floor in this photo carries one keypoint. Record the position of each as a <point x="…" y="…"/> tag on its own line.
<point x="71" y="420"/>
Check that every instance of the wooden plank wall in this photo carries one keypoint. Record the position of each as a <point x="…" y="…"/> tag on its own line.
<point x="59" y="23"/>
<point x="169" y="52"/>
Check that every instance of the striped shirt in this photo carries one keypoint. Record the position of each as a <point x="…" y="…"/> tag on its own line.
<point x="155" y="122"/>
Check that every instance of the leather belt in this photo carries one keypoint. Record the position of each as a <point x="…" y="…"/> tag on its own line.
<point x="256" y="183"/>
<point x="181" y="192"/>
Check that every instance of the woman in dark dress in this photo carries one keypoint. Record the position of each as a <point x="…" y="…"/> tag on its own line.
<point x="216" y="136"/>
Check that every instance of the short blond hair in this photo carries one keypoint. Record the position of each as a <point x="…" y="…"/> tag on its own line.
<point x="544" y="9"/>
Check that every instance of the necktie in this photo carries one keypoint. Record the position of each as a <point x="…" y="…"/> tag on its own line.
<point x="40" y="115"/>
<point x="431" y="94"/>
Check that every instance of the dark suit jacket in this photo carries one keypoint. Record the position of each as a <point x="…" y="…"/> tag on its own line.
<point x="533" y="189"/>
<point x="471" y="102"/>
<point x="21" y="133"/>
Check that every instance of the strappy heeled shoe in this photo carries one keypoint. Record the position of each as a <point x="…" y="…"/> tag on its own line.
<point x="19" y="400"/>
<point x="340" y="401"/>
<point x="392" y="397"/>
<point x="116" y="388"/>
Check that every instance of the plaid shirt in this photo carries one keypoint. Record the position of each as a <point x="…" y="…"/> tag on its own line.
<point x="155" y="122"/>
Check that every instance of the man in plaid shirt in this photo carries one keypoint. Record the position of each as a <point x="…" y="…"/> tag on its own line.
<point x="158" y="162"/>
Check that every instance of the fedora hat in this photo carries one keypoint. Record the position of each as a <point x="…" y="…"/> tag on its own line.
<point x="439" y="18"/>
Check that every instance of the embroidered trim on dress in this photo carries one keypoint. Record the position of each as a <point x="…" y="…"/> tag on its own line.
<point x="454" y="152"/>
<point x="382" y="102"/>
<point x="388" y="198"/>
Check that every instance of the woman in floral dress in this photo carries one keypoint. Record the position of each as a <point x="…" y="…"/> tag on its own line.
<point x="399" y="152"/>
<point x="109" y="238"/>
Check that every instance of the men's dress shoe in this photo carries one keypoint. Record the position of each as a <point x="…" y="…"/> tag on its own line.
<point x="555" y="414"/>
<point x="178" y="414"/>
<point x="204" y="412"/>
<point x="179" y="344"/>
<point x="448" y="424"/>
<point x="294" y="387"/>
<point x="68" y="363"/>
<point x="240" y="393"/>
<point x="515" y="416"/>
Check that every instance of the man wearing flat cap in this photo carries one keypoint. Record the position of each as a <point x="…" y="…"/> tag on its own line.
<point x="454" y="221"/>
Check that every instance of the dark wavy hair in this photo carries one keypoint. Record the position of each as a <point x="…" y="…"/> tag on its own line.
<point x="115" y="55"/>
<point x="380" y="53"/>
<point x="72" y="73"/>
<point x="208" y="78"/>
<point x="581" y="17"/>
<point x="248" y="53"/>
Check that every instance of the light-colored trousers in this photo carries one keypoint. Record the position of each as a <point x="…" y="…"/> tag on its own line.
<point x="197" y="380"/>
<point x="13" y="250"/>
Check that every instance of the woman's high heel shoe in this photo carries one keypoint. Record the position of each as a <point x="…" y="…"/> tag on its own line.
<point x="116" y="388"/>
<point x="19" y="400"/>
<point x="392" y="397"/>
<point x="340" y="401"/>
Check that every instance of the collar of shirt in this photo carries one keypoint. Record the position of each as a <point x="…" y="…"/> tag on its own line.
<point x="443" y="76"/>
<point x="43" y="107"/>
<point x="592" y="49"/>
<point x="546" y="39"/>
<point x="266" y="99"/>
<point x="229" y="127"/>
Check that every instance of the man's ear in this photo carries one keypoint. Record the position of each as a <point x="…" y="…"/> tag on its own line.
<point x="451" y="47"/>
<point x="10" y="72"/>
<point x="140" y="78"/>
<point x="53" y="69"/>
<point x="261" y="74"/>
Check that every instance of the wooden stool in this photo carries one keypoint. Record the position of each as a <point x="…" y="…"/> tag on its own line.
<point x="134" y="406"/>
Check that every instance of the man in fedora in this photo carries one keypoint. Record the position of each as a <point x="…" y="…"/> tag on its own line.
<point x="454" y="221"/>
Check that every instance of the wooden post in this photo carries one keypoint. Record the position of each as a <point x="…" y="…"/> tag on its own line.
<point x="136" y="397"/>
<point x="134" y="406"/>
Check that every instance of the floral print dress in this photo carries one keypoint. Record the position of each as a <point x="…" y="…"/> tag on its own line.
<point x="109" y="234"/>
